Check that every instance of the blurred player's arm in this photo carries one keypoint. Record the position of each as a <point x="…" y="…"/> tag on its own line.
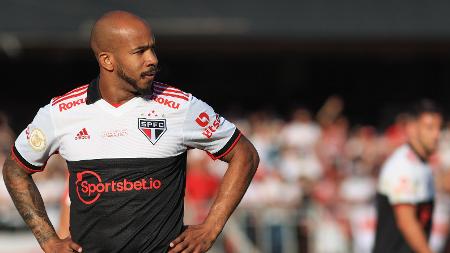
<point x="444" y="181"/>
<point x="242" y="164"/>
<point x="410" y="227"/>
<point x="29" y="203"/>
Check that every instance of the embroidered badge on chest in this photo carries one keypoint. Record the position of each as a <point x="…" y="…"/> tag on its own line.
<point x="153" y="129"/>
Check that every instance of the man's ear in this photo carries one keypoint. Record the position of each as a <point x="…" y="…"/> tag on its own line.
<point x="106" y="61"/>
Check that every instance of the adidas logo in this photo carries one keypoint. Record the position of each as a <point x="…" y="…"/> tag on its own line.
<point x="83" y="135"/>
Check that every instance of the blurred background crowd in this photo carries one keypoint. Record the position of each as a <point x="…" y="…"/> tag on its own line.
<point x="272" y="67"/>
<point x="313" y="192"/>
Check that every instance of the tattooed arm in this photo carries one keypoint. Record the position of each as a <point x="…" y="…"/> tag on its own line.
<point x="29" y="203"/>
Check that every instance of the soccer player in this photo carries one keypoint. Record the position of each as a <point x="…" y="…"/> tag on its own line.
<point x="124" y="137"/>
<point x="405" y="189"/>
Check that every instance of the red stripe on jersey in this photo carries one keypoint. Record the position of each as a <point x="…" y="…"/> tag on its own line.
<point x="168" y="88"/>
<point x="68" y="97"/>
<point x="71" y="92"/>
<point x="76" y="90"/>
<point x="53" y="99"/>
<point x="171" y="95"/>
<point x="14" y="157"/>
<point x="169" y="92"/>
<point x="228" y="150"/>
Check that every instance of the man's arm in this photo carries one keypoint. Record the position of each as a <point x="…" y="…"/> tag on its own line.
<point x="29" y="203"/>
<point x="64" y="218"/>
<point x="242" y="164"/>
<point x="410" y="227"/>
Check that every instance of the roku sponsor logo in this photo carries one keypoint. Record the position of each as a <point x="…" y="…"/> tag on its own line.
<point x="89" y="186"/>
<point x="166" y="102"/>
<point x="69" y="105"/>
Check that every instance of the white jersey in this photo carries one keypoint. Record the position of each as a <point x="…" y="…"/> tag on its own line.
<point x="166" y="123"/>
<point x="404" y="179"/>
<point x="126" y="163"/>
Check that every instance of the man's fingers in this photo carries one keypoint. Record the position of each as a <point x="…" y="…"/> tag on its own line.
<point x="177" y="240"/>
<point x="179" y="247"/>
<point x="189" y="249"/>
<point x="75" y="247"/>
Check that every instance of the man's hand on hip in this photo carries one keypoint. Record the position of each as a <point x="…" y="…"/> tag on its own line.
<point x="196" y="239"/>
<point x="56" y="245"/>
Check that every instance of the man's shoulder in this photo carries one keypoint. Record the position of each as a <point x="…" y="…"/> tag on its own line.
<point x="402" y="160"/>
<point x="167" y="90"/>
<point x="170" y="96"/>
<point x="70" y="100"/>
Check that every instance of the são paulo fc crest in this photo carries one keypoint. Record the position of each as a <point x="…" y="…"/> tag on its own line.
<point x="153" y="129"/>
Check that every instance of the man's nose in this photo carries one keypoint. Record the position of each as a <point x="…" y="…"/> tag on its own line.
<point x="150" y="59"/>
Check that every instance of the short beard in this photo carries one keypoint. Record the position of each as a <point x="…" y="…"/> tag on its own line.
<point x="133" y="82"/>
<point x="428" y="151"/>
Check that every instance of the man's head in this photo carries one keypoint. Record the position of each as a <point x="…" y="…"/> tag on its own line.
<point x="124" y="47"/>
<point x="425" y="126"/>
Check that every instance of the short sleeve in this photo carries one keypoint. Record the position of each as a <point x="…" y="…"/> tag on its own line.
<point x="204" y="129"/>
<point x="36" y="143"/>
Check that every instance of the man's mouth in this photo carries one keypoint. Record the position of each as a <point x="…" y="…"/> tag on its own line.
<point x="148" y="74"/>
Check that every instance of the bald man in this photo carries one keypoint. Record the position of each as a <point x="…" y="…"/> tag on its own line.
<point x="125" y="137"/>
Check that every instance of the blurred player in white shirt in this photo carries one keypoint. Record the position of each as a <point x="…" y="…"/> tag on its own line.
<point x="405" y="198"/>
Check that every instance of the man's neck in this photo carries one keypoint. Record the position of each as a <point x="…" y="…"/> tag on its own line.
<point x="419" y="149"/>
<point x="113" y="92"/>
